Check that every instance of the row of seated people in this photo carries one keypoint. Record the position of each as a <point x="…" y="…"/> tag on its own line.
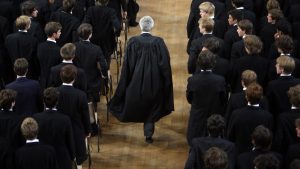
<point x="64" y="124"/>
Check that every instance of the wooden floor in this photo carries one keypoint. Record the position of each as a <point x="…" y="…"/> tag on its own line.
<point x="122" y="145"/>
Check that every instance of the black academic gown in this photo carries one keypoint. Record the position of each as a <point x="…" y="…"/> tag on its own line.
<point x="118" y="6"/>
<point x="145" y="90"/>
<point x="48" y="54"/>
<point x="55" y="129"/>
<point x="73" y="103"/>
<point x="206" y="92"/>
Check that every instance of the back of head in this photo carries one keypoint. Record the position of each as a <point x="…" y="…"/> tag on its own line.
<point x="85" y="30"/>
<point x="246" y="25"/>
<point x="208" y="8"/>
<point x="276" y="14"/>
<point x="272" y="4"/>
<point x="286" y="63"/>
<point x="284" y="26"/>
<point x="29" y="128"/>
<point x="262" y="138"/>
<point x="215" y="125"/>
<point x="51" y="28"/>
<point x="294" y="95"/>
<point x="21" y="66"/>
<point x="68" y="51"/>
<point x="253" y="44"/>
<point x="101" y="2"/>
<point x="207" y="23"/>
<point x="212" y="44"/>
<point x="285" y="43"/>
<point x="206" y="60"/>
<point x="68" y="73"/>
<point x="146" y="23"/>
<point x="254" y="93"/>
<point x="266" y="161"/>
<point x="68" y="5"/>
<point x="51" y="95"/>
<point x="28" y="7"/>
<point x="215" y="158"/>
<point x="23" y="22"/>
<point x="7" y="97"/>
<point x="248" y="77"/>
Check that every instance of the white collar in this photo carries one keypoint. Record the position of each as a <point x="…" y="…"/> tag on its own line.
<point x="285" y="54"/>
<point x="51" y="40"/>
<point x="67" y="84"/>
<point x="208" y="70"/>
<point x="86" y="40"/>
<point x="253" y="105"/>
<point x="20" y="76"/>
<point x="244" y="88"/>
<point x="208" y="33"/>
<point x="212" y="17"/>
<point x="67" y="61"/>
<point x="22" y="30"/>
<point x="146" y="32"/>
<point x="294" y="107"/>
<point x="240" y="7"/>
<point x="33" y="141"/>
<point x="284" y="74"/>
<point x="51" y="109"/>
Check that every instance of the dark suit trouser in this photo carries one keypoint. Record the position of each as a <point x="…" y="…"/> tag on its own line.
<point x="148" y="129"/>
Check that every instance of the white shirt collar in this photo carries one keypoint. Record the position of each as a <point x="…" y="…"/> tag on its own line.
<point x="51" y="109"/>
<point x="253" y="105"/>
<point x="212" y="17"/>
<point x="244" y="88"/>
<point x="51" y="40"/>
<point x="283" y="74"/>
<point x="86" y="40"/>
<point x="22" y="30"/>
<point x="208" y="70"/>
<point x="67" y="84"/>
<point x="294" y="107"/>
<point x="285" y="54"/>
<point x="67" y="61"/>
<point x="33" y="141"/>
<point x="208" y="33"/>
<point x="240" y="7"/>
<point x="146" y="32"/>
<point x="20" y="76"/>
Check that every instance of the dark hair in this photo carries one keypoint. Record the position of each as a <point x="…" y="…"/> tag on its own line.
<point x="266" y="161"/>
<point x="246" y="26"/>
<point x="276" y="14"/>
<point x="7" y="97"/>
<point x="238" y="3"/>
<point x="68" y="51"/>
<point x="21" y="66"/>
<point x="253" y="44"/>
<point x="29" y="128"/>
<point x="28" y="7"/>
<point x="235" y="14"/>
<point x="284" y="26"/>
<point x="68" y="73"/>
<point x="294" y="95"/>
<point x="212" y="44"/>
<point x="51" y="95"/>
<point x="262" y="137"/>
<point x="206" y="60"/>
<point x="215" y="125"/>
<point x="215" y="158"/>
<point x="68" y="5"/>
<point x="285" y="43"/>
<point x="254" y="93"/>
<point x="51" y="28"/>
<point x="85" y="30"/>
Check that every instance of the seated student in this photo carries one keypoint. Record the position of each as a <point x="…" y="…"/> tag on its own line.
<point x="238" y="100"/>
<point x="48" y="52"/>
<point x="293" y="151"/>
<point x="26" y="88"/>
<point x="206" y="92"/>
<point x="34" y="155"/>
<point x="215" y="158"/>
<point x="262" y="141"/>
<point x="277" y="89"/>
<point x="67" y="53"/>
<point x="266" y="161"/>
<point x="9" y="127"/>
<point x="55" y="129"/>
<point x="215" y="127"/>
<point x="253" y="61"/>
<point x="238" y="50"/>
<point x="243" y="121"/>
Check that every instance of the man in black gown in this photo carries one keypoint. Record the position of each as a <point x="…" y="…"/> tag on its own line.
<point x="145" y="90"/>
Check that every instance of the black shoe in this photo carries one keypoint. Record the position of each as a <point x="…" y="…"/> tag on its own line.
<point x="133" y="24"/>
<point x="149" y="140"/>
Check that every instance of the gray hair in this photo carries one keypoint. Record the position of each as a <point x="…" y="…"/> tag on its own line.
<point x="146" y="23"/>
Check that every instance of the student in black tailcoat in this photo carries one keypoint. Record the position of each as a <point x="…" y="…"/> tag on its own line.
<point x="90" y="58"/>
<point x="48" y="52"/>
<point x="29" y="8"/>
<point x="145" y="90"/>
<point x="120" y="7"/>
<point x="22" y="45"/>
<point x="67" y="52"/>
<point x="243" y="121"/>
<point x="29" y="94"/>
<point x="68" y="22"/>
<point x="73" y="103"/>
<point x="238" y="50"/>
<point x="106" y="27"/>
<point x="206" y="26"/>
<point x="266" y="161"/>
<point x="285" y="133"/>
<point x="206" y="92"/>
<point x="9" y="129"/>
<point x="244" y="12"/>
<point x="215" y="127"/>
<point x="261" y="139"/>
<point x="293" y="151"/>
<point x="34" y="155"/>
<point x="238" y="100"/>
<point x="268" y="31"/>
<point x="253" y="61"/>
<point x="277" y="89"/>
<point x="263" y="20"/>
<point x="231" y="34"/>
<point x="285" y="47"/>
<point x="55" y="129"/>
